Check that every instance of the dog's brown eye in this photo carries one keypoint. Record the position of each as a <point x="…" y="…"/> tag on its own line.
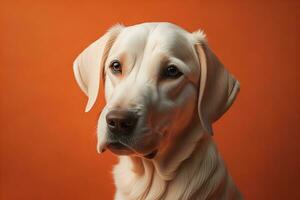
<point x="172" y="72"/>
<point x="116" y="67"/>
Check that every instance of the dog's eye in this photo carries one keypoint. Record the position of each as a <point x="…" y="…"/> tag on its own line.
<point x="116" y="67"/>
<point x="172" y="72"/>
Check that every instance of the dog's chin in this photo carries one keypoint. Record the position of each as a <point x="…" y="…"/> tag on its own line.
<point x="120" y="149"/>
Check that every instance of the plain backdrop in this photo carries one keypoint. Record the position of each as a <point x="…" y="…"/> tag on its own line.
<point x="48" y="143"/>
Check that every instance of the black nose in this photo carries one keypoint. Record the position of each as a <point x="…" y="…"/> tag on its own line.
<point x="121" y="121"/>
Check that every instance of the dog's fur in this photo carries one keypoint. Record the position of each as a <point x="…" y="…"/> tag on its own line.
<point x="175" y="115"/>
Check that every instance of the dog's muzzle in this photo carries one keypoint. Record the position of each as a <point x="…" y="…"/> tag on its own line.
<point x="121" y="125"/>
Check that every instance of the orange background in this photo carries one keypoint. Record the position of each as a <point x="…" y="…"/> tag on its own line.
<point x="48" y="144"/>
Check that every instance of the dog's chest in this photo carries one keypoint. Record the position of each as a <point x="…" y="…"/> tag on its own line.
<point x="205" y="178"/>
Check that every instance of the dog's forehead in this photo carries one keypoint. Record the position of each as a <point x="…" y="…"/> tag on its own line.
<point x="163" y="37"/>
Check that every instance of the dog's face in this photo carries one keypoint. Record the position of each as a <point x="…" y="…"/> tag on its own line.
<point x="151" y="76"/>
<point x="154" y="77"/>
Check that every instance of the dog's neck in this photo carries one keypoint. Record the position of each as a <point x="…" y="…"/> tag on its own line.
<point x="183" y="169"/>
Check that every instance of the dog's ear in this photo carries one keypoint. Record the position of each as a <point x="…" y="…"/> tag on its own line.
<point x="89" y="65"/>
<point x="217" y="89"/>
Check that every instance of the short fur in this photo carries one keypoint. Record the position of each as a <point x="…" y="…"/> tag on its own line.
<point x="175" y="115"/>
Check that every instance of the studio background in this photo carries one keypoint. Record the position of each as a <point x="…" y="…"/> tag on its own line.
<point x="48" y="143"/>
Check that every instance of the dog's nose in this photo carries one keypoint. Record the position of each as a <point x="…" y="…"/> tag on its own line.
<point x="121" y="122"/>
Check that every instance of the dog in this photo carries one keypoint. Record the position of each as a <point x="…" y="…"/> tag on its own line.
<point x="164" y="88"/>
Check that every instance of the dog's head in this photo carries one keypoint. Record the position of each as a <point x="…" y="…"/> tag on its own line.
<point x="157" y="79"/>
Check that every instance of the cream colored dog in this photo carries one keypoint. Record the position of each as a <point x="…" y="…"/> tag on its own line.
<point x="164" y="88"/>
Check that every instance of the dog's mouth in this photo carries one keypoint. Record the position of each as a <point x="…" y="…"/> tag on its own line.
<point x="119" y="148"/>
<point x="151" y="155"/>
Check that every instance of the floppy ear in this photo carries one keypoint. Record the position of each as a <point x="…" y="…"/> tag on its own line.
<point x="89" y="65"/>
<point x="217" y="89"/>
